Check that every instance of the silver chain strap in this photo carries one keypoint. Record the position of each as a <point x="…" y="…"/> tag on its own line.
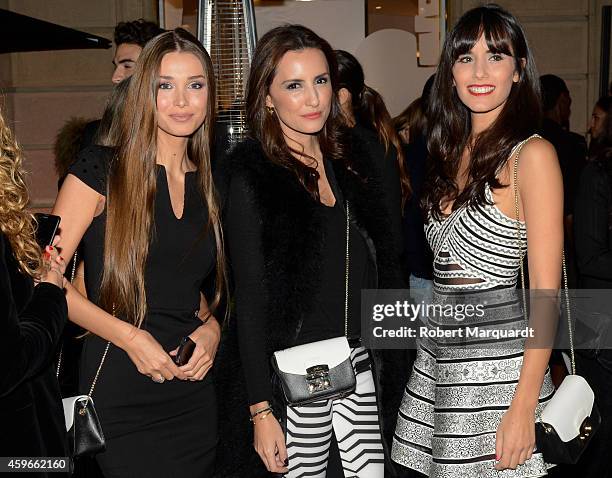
<point x="522" y="255"/>
<point x="346" y="275"/>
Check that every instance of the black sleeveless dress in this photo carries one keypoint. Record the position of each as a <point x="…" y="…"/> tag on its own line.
<point x="153" y="429"/>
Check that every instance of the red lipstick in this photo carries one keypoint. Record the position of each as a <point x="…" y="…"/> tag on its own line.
<point x="480" y="90"/>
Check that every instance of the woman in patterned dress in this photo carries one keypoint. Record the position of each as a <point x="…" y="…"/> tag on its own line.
<point x="470" y="412"/>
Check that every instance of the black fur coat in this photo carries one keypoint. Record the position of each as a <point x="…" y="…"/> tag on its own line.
<point x="31" y="323"/>
<point x="292" y="245"/>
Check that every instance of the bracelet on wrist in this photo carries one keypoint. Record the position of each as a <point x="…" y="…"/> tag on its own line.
<point x="261" y="413"/>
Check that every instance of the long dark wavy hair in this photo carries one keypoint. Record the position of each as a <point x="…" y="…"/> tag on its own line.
<point x="450" y="128"/>
<point x="264" y="125"/>
<point x="370" y="111"/>
<point x="132" y="181"/>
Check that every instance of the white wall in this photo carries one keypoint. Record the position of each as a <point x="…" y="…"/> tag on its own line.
<point x="340" y="22"/>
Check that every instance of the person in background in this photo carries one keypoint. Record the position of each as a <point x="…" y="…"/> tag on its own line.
<point x="296" y="189"/>
<point x="571" y="150"/>
<point x="31" y="321"/>
<point x="148" y="216"/>
<point x="364" y="110"/>
<point x="598" y="118"/>
<point x="130" y="38"/>
<point x="593" y="236"/>
<point x="418" y="259"/>
<point x="411" y="122"/>
<point x="570" y="147"/>
<point x="470" y="410"/>
<point x="109" y="128"/>
<point x="78" y="133"/>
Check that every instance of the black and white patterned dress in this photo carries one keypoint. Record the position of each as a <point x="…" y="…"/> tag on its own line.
<point x="456" y="396"/>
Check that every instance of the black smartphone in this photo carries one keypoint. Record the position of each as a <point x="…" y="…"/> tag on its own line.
<point x="46" y="229"/>
<point x="185" y="351"/>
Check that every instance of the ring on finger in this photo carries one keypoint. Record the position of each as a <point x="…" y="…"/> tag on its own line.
<point x="160" y="379"/>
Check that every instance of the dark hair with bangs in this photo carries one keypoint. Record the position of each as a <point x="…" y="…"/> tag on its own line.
<point x="450" y="131"/>
<point x="265" y="126"/>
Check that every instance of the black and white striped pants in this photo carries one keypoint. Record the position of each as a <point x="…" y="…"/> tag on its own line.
<point x="354" y="422"/>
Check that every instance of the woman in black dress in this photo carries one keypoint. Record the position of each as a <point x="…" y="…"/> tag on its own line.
<point x="147" y="215"/>
<point x="298" y="189"/>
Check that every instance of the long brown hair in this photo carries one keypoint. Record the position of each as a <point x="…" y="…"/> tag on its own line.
<point x="449" y="132"/>
<point x="370" y="111"/>
<point x="265" y="127"/>
<point x="16" y="222"/>
<point x="132" y="180"/>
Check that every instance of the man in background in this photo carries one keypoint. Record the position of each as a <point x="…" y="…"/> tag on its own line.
<point x="571" y="147"/>
<point x="130" y="38"/>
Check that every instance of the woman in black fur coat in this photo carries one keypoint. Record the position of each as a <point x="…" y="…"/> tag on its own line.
<point x="289" y="190"/>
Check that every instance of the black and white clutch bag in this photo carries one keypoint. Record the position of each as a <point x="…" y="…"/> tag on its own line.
<point x="316" y="371"/>
<point x="568" y="422"/>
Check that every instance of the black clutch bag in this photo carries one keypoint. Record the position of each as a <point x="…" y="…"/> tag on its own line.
<point x="85" y="436"/>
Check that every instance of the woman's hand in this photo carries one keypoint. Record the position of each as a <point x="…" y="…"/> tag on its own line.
<point x="54" y="267"/>
<point x="150" y="358"/>
<point x="269" y="441"/>
<point x="515" y="438"/>
<point x="206" y="338"/>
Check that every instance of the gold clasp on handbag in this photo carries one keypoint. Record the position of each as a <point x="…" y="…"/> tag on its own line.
<point x="586" y="428"/>
<point x="317" y="378"/>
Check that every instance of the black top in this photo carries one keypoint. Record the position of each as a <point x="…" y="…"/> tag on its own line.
<point x="326" y="317"/>
<point x="181" y="256"/>
<point x="31" y="322"/>
<point x="593" y="226"/>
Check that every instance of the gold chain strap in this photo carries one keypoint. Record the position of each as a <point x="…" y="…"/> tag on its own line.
<point x="95" y="380"/>
<point x="522" y="255"/>
<point x="346" y="275"/>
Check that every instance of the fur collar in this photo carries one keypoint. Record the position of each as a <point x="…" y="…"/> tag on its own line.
<point x="292" y="241"/>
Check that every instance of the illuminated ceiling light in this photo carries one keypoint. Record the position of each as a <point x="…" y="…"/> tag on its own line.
<point x="378" y="7"/>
